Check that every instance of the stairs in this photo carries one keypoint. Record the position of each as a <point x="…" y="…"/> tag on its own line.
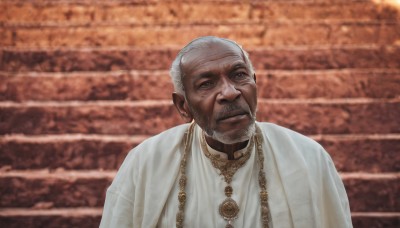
<point x="83" y="81"/>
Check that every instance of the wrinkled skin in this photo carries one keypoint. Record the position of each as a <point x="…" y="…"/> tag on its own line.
<point x="220" y="94"/>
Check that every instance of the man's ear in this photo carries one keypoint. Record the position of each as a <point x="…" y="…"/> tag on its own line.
<point x="182" y="107"/>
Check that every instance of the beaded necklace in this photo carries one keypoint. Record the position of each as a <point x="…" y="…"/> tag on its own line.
<point x="228" y="209"/>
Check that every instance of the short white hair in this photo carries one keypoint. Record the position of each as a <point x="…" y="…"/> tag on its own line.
<point x="176" y="71"/>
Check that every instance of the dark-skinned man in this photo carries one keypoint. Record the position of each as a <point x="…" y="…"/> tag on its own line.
<point x="223" y="168"/>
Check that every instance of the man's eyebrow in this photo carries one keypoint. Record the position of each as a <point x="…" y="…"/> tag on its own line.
<point x="205" y="74"/>
<point x="239" y="65"/>
<point x="209" y="74"/>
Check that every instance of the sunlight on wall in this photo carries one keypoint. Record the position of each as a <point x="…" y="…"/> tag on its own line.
<point x="395" y="3"/>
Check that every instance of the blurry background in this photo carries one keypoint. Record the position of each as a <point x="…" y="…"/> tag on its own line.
<point x="83" y="81"/>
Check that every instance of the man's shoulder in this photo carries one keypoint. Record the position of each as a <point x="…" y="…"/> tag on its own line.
<point x="150" y="159"/>
<point x="172" y="136"/>
<point x="278" y="134"/>
<point x="162" y="147"/>
<point x="168" y="140"/>
<point x="288" y="143"/>
<point x="271" y="128"/>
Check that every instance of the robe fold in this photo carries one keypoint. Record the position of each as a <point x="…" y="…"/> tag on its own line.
<point x="305" y="190"/>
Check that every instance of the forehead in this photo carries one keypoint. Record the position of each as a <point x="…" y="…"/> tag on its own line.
<point x="210" y="56"/>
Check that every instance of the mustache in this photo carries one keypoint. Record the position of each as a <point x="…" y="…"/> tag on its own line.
<point x="232" y="109"/>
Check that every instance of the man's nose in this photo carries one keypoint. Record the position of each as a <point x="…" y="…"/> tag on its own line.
<point x="228" y="92"/>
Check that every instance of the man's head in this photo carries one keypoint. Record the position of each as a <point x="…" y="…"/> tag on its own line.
<point x="215" y="85"/>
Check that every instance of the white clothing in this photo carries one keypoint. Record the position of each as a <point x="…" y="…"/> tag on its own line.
<point x="305" y="190"/>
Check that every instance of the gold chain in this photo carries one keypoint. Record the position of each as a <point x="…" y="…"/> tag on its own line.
<point x="228" y="209"/>
<point x="180" y="216"/>
<point x="227" y="169"/>
<point x="262" y="181"/>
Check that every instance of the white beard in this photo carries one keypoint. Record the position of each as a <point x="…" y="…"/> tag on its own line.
<point x="241" y="136"/>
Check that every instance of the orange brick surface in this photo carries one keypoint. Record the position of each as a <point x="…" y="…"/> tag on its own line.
<point x="83" y="81"/>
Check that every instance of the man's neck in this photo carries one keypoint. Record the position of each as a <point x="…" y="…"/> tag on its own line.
<point x="228" y="149"/>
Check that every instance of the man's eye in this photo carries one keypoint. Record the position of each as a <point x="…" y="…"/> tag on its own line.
<point x="239" y="75"/>
<point x="206" y="84"/>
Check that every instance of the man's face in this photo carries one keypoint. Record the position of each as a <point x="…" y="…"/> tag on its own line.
<point x="220" y="91"/>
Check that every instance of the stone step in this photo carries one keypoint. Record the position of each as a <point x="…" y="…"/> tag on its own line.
<point x="90" y="217"/>
<point x="360" y="153"/>
<point x="370" y="192"/>
<point x="376" y="220"/>
<point x="342" y="116"/>
<point x="249" y="35"/>
<point x="67" y="152"/>
<point x="55" y="217"/>
<point x="351" y="153"/>
<point x="146" y="85"/>
<point x="141" y="117"/>
<point x="127" y="85"/>
<point x="189" y="12"/>
<point x="308" y="116"/>
<point x="160" y="58"/>
<point x="43" y="189"/>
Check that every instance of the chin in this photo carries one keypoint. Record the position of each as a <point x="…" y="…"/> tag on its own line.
<point x="236" y="137"/>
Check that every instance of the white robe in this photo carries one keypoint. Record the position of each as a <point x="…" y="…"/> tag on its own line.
<point x="304" y="187"/>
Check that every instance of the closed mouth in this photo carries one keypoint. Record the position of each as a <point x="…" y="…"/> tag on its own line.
<point x="232" y="114"/>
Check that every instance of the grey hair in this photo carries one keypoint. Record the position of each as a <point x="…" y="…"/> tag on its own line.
<point x="176" y="71"/>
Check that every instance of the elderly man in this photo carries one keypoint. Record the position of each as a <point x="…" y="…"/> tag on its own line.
<point x="224" y="169"/>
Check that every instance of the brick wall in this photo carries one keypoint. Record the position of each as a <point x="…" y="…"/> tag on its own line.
<point x="84" y="81"/>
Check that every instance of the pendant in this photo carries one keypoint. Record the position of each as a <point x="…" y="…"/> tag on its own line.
<point x="229" y="209"/>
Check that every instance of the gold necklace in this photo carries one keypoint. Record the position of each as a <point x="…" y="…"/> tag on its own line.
<point x="228" y="208"/>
